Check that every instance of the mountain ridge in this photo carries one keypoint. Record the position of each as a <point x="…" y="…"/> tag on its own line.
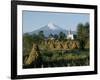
<point x="50" y="28"/>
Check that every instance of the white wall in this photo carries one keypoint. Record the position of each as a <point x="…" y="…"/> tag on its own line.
<point x="5" y="29"/>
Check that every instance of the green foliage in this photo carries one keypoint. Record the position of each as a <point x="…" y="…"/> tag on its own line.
<point x="51" y="35"/>
<point x="27" y="43"/>
<point x="87" y="30"/>
<point x="56" y="36"/>
<point x="83" y="34"/>
<point x="38" y="38"/>
<point x="80" y="31"/>
<point x="41" y="36"/>
<point x="57" y="59"/>
<point x="35" y="38"/>
<point x="62" y="36"/>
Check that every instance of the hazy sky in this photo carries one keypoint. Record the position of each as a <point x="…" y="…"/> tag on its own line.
<point x="34" y="20"/>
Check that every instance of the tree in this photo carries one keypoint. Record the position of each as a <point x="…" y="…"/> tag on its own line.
<point x="27" y="43"/>
<point x="56" y="36"/>
<point x="41" y="36"/>
<point x="80" y="31"/>
<point x="61" y="36"/>
<point x="87" y="29"/>
<point x="35" y="38"/>
<point x="87" y="42"/>
<point x="83" y="34"/>
<point x="51" y="35"/>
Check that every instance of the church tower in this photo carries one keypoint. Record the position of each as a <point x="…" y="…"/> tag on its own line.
<point x="70" y="35"/>
<point x="69" y="32"/>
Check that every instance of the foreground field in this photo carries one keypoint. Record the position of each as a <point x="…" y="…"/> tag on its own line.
<point x="63" y="58"/>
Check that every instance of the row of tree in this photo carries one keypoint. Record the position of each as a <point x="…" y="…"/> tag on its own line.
<point x="40" y="36"/>
<point x="60" y="37"/>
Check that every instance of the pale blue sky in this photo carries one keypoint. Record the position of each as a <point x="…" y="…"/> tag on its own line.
<point x="34" y="20"/>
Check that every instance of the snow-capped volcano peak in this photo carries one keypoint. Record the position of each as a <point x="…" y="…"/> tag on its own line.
<point x="52" y="26"/>
<point x="48" y="29"/>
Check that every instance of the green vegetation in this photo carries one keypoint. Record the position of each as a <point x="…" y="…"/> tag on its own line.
<point x="58" y="52"/>
<point x="83" y="34"/>
<point x="62" y="36"/>
<point x="61" y="59"/>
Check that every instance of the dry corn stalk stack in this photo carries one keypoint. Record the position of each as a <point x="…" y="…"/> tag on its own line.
<point x="33" y="55"/>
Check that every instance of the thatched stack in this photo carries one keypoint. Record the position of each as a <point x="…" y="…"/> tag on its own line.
<point x="58" y="45"/>
<point x="51" y="46"/>
<point x="78" y="44"/>
<point x="74" y="45"/>
<point x="65" y="46"/>
<point x="69" y="44"/>
<point x="33" y="54"/>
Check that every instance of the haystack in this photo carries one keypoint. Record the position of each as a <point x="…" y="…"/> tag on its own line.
<point x="33" y="54"/>
<point x="65" y="46"/>
<point x="74" y="45"/>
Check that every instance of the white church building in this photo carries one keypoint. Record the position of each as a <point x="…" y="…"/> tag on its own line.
<point x="70" y="35"/>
